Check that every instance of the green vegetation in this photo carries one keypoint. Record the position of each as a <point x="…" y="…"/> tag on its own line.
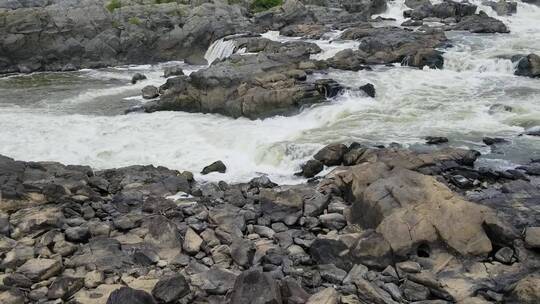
<point x="164" y="1"/>
<point x="263" y="5"/>
<point x="232" y="2"/>
<point x="134" y="21"/>
<point x="113" y="4"/>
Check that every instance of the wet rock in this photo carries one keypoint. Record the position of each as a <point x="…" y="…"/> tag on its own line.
<point x="40" y="269"/>
<point x="533" y="131"/>
<point x="64" y="287"/>
<point x="532" y="237"/>
<point x="371" y="6"/>
<point x="150" y="92"/>
<point x="331" y="155"/>
<point x="306" y="31"/>
<point x="443" y="10"/>
<point x="369" y="89"/>
<point x="411" y="22"/>
<point x="436" y="140"/>
<point x="494" y="140"/>
<point x="311" y="168"/>
<point x="430" y="58"/>
<point x="128" y="295"/>
<point x="137" y="77"/>
<point x="528" y="66"/>
<point x="481" y="23"/>
<point x="502" y="7"/>
<point x="328" y="87"/>
<point x="496" y="108"/>
<point x="255" y="287"/>
<point x="416" y="3"/>
<point x="170" y="289"/>
<point x="172" y="71"/>
<point x="217" y="166"/>
<point x="325" y="296"/>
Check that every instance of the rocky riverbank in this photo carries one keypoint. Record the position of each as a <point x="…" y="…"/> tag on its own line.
<point x="387" y="225"/>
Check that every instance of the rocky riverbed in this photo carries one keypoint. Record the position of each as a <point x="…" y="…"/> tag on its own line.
<point x="387" y="225"/>
<point x="252" y="152"/>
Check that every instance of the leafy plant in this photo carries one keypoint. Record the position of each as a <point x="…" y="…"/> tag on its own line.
<point x="263" y="5"/>
<point x="113" y="4"/>
<point x="134" y="21"/>
<point x="164" y="1"/>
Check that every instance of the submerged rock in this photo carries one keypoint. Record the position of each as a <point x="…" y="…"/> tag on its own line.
<point x="137" y="77"/>
<point x="150" y="92"/>
<point x="369" y="89"/>
<point x="217" y="166"/>
<point x="528" y="66"/>
<point x="481" y="23"/>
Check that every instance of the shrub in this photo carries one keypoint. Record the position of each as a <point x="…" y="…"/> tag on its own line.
<point x="113" y="4"/>
<point x="263" y="5"/>
<point x="164" y="1"/>
<point x="134" y="21"/>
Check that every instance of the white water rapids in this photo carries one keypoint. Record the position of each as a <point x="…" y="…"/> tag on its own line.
<point x="75" y="117"/>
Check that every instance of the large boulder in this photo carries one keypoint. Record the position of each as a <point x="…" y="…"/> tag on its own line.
<point x="526" y="291"/>
<point x="130" y="295"/>
<point x="256" y="287"/>
<point x="528" y="66"/>
<point x="481" y="23"/>
<point x="389" y="45"/>
<point x="443" y="10"/>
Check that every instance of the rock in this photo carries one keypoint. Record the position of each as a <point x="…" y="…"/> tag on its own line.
<point x="150" y="92"/>
<point x="411" y="22"/>
<point x="436" y="140"/>
<point x="292" y="292"/>
<point x="255" y="287"/>
<point x="325" y="296"/>
<point x="171" y="289"/>
<point x="40" y="269"/>
<point x="32" y="220"/>
<point x="331" y="155"/>
<point x="315" y="205"/>
<point x="192" y="242"/>
<point x="416" y="3"/>
<point x="93" y="279"/>
<point x="496" y="108"/>
<point x="414" y="292"/>
<point x="533" y="131"/>
<point x="504" y="255"/>
<point x="65" y="287"/>
<point x="311" y="168"/>
<point x="328" y="87"/>
<point x="526" y="291"/>
<point x="306" y="31"/>
<point x="328" y="251"/>
<point x="532" y="237"/>
<point x="217" y="166"/>
<point x="370" y="293"/>
<point x="502" y="7"/>
<point x="77" y="234"/>
<point x="528" y="66"/>
<point x="443" y="10"/>
<point x="17" y="280"/>
<point x="242" y="252"/>
<point x="12" y="297"/>
<point x="128" y="295"/>
<point x="382" y="45"/>
<point x="481" y="23"/>
<point x="137" y="77"/>
<point x="172" y="71"/>
<point x="493" y="140"/>
<point x="214" y="281"/>
<point x="332" y="274"/>
<point x="333" y="221"/>
<point x="369" y="89"/>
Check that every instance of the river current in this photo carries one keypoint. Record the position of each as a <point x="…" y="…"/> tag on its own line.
<point x="77" y="117"/>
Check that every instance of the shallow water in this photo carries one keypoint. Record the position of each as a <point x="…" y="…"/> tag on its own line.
<point x="76" y="117"/>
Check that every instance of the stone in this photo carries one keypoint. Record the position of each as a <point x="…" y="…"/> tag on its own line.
<point x="150" y="92"/>
<point x="217" y="280"/>
<point x="332" y="274"/>
<point x="370" y="293"/>
<point x="329" y="251"/>
<point x="481" y="23"/>
<point x="217" y="166"/>
<point x="414" y="292"/>
<point x="311" y="168"/>
<point x="171" y="289"/>
<point x="40" y="269"/>
<point x="137" y="77"/>
<point x="532" y="237"/>
<point x="172" y="71"/>
<point x="333" y="221"/>
<point x="331" y="155"/>
<point x="528" y="66"/>
<point x="64" y="287"/>
<point x="192" y="242"/>
<point x="77" y="234"/>
<point x="11" y="297"/>
<point x="93" y="279"/>
<point x="315" y="205"/>
<point x="129" y="295"/>
<point x="326" y="296"/>
<point x="255" y="287"/>
<point x="526" y="291"/>
<point x="436" y="140"/>
<point x="369" y="89"/>
<point x="242" y="252"/>
<point x="504" y="255"/>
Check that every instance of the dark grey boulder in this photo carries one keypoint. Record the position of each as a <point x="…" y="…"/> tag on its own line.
<point x="150" y="92"/>
<point x="137" y="77"/>
<point x="311" y="168"/>
<point x="126" y="295"/>
<point x="173" y="71"/>
<point x="65" y="287"/>
<point x="331" y="155"/>
<point x="528" y="66"/>
<point x="170" y="289"/>
<point x="481" y="23"/>
<point x="369" y="89"/>
<point x="256" y="287"/>
<point x="217" y="166"/>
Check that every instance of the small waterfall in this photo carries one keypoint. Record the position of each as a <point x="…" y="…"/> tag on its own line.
<point x="220" y="49"/>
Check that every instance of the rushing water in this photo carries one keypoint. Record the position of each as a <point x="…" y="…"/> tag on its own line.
<point x="76" y="117"/>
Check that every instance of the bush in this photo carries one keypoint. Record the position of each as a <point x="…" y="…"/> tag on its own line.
<point x="263" y="5"/>
<point x="164" y="1"/>
<point x="113" y="4"/>
<point x="134" y="21"/>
